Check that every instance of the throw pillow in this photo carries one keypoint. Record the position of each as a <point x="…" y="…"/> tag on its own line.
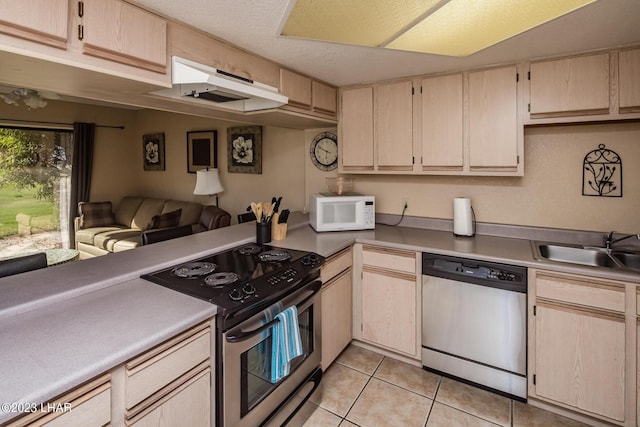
<point x="169" y="219"/>
<point x="95" y="214"/>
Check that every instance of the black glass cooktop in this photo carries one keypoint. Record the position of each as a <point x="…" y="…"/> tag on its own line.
<point x="249" y="275"/>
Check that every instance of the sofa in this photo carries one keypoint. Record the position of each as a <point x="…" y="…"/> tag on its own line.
<point x="100" y="230"/>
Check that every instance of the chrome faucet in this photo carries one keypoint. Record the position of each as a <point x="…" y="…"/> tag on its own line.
<point x="610" y="241"/>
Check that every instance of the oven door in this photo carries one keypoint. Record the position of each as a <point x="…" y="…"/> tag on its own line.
<point x="248" y="396"/>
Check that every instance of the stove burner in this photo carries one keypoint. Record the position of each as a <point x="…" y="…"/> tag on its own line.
<point x="194" y="269"/>
<point x="250" y="249"/>
<point x="220" y="279"/>
<point x="274" y="255"/>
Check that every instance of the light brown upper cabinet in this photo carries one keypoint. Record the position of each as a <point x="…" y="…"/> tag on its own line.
<point x="324" y="98"/>
<point x="376" y="128"/>
<point x="355" y="130"/>
<point x="41" y="21"/>
<point x="570" y="87"/>
<point x="629" y="80"/>
<point x="442" y="125"/>
<point x="308" y="94"/>
<point x="393" y="126"/>
<point x="297" y="87"/>
<point x="121" y="32"/>
<point x="493" y="120"/>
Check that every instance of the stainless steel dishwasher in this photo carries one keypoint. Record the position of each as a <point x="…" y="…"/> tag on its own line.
<point x="474" y="322"/>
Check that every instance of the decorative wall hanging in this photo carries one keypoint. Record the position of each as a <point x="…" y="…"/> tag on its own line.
<point x="244" y="149"/>
<point x="202" y="150"/>
<point x="602" y="173"/>
<point x="153" y="151"/>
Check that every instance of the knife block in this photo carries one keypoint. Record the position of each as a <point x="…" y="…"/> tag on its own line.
<point x="278" y="231"/>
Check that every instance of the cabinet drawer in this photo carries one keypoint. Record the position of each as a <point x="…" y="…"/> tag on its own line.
<point x="188" y="405"/>
<point x="392" y="259"/>
<point x="155" y="369"/>
<point x="88" y="405"/>
<point x="336" y="264"/>
<point x="582" y="291"/>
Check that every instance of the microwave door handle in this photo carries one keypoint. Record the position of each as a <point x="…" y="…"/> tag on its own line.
<point x="314" y="287"/>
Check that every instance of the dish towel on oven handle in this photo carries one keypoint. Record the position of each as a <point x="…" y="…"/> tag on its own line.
<point x="286" y="343"/>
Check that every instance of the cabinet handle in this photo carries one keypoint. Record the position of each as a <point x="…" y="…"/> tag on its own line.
<point x="80" y="9"/>
<point x="80" y="32"/>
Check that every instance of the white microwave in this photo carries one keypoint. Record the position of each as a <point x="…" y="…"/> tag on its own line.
<point x="328" y="212"/>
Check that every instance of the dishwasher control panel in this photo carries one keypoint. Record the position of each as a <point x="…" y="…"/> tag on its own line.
<point x="473" y="271"/>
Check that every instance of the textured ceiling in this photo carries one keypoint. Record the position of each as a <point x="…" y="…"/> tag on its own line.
<point x="255" y="25"/>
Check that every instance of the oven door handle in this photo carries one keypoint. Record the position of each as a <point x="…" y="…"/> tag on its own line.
<point x="314" y="287"/>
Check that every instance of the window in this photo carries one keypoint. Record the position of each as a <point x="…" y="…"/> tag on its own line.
<point x="35" y="179"/>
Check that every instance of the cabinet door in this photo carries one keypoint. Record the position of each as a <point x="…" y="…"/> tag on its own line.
<point x="336" y="317"/>
<point x="87" y="405"/>
<point x="297" y="87"/>
<point x="570" y="87"/>
<point x="629" y="78"/>
<point x="580" y="358"/>
<point x="118" y="31"/>
<point x="394" y="126"/>
<point x="42" y="21"/>
<point x="389" y="316"/>
<point x="442" y="142"/>
<point x="493" y="120"/>
<point x="356" y="129"/>
<point x="323" y="97"/>
<point x="188" y="405"/>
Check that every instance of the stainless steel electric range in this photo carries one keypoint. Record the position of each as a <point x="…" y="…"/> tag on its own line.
<point x="251" y="285"/>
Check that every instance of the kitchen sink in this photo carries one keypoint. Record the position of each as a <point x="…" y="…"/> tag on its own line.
<point x="628" y="259"/>
<point x="591" y="256"/>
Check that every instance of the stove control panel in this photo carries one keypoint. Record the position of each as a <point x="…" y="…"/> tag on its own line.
<point x="282" y="278"/>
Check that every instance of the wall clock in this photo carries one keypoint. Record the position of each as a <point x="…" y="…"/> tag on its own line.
<point x="324" y="151"/>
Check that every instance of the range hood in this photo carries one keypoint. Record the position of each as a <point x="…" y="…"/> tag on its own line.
<point x="205" y="85"/>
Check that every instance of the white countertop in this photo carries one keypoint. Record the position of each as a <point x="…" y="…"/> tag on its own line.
<point x="63" y="325"/>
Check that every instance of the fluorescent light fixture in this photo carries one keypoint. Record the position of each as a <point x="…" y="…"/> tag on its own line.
<point x="442" y="27"/>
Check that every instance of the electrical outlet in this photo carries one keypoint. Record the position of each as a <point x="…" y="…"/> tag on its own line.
<point x="405" y="203"/>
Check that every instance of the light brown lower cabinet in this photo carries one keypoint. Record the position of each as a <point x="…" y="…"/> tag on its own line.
<point x="87" y="405"/>
<point x="189" y="404"/>
<point x="581" y="348"/>
<point x="168" y="385"/>
<point x="336" y="317"/>
<point x="580" y="358"/>
<point x="337" y="297"/>
<point x="388" y="300"/>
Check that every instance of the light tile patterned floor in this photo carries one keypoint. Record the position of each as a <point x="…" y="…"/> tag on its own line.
<point x="365" y="389"/>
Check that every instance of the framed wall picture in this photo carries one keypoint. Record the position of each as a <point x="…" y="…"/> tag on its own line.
<point x="244" y="149"/>
<point x="202" y="150"/>
<point x="153" y="151"/>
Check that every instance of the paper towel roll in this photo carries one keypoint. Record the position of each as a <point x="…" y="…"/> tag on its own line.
<point x="462" y="217"/>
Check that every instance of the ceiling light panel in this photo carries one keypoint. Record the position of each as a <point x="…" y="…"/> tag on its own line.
<point x="360" y="22"/>
<point x="463" y="27"/>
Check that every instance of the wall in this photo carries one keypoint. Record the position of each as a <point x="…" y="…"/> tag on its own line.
<point x="282" y="165"/>
<point x="113" y="166"/>
<point x="118" y="163"/>
<point x="549" y="194"/>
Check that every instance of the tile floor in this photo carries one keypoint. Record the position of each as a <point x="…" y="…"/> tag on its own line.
<point x="366" y="389"/>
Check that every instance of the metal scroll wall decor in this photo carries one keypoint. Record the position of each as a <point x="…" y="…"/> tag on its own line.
<point x="602" y="173"/>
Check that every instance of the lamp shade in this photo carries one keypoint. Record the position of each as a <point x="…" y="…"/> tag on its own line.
<point x="208" y="182"/>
